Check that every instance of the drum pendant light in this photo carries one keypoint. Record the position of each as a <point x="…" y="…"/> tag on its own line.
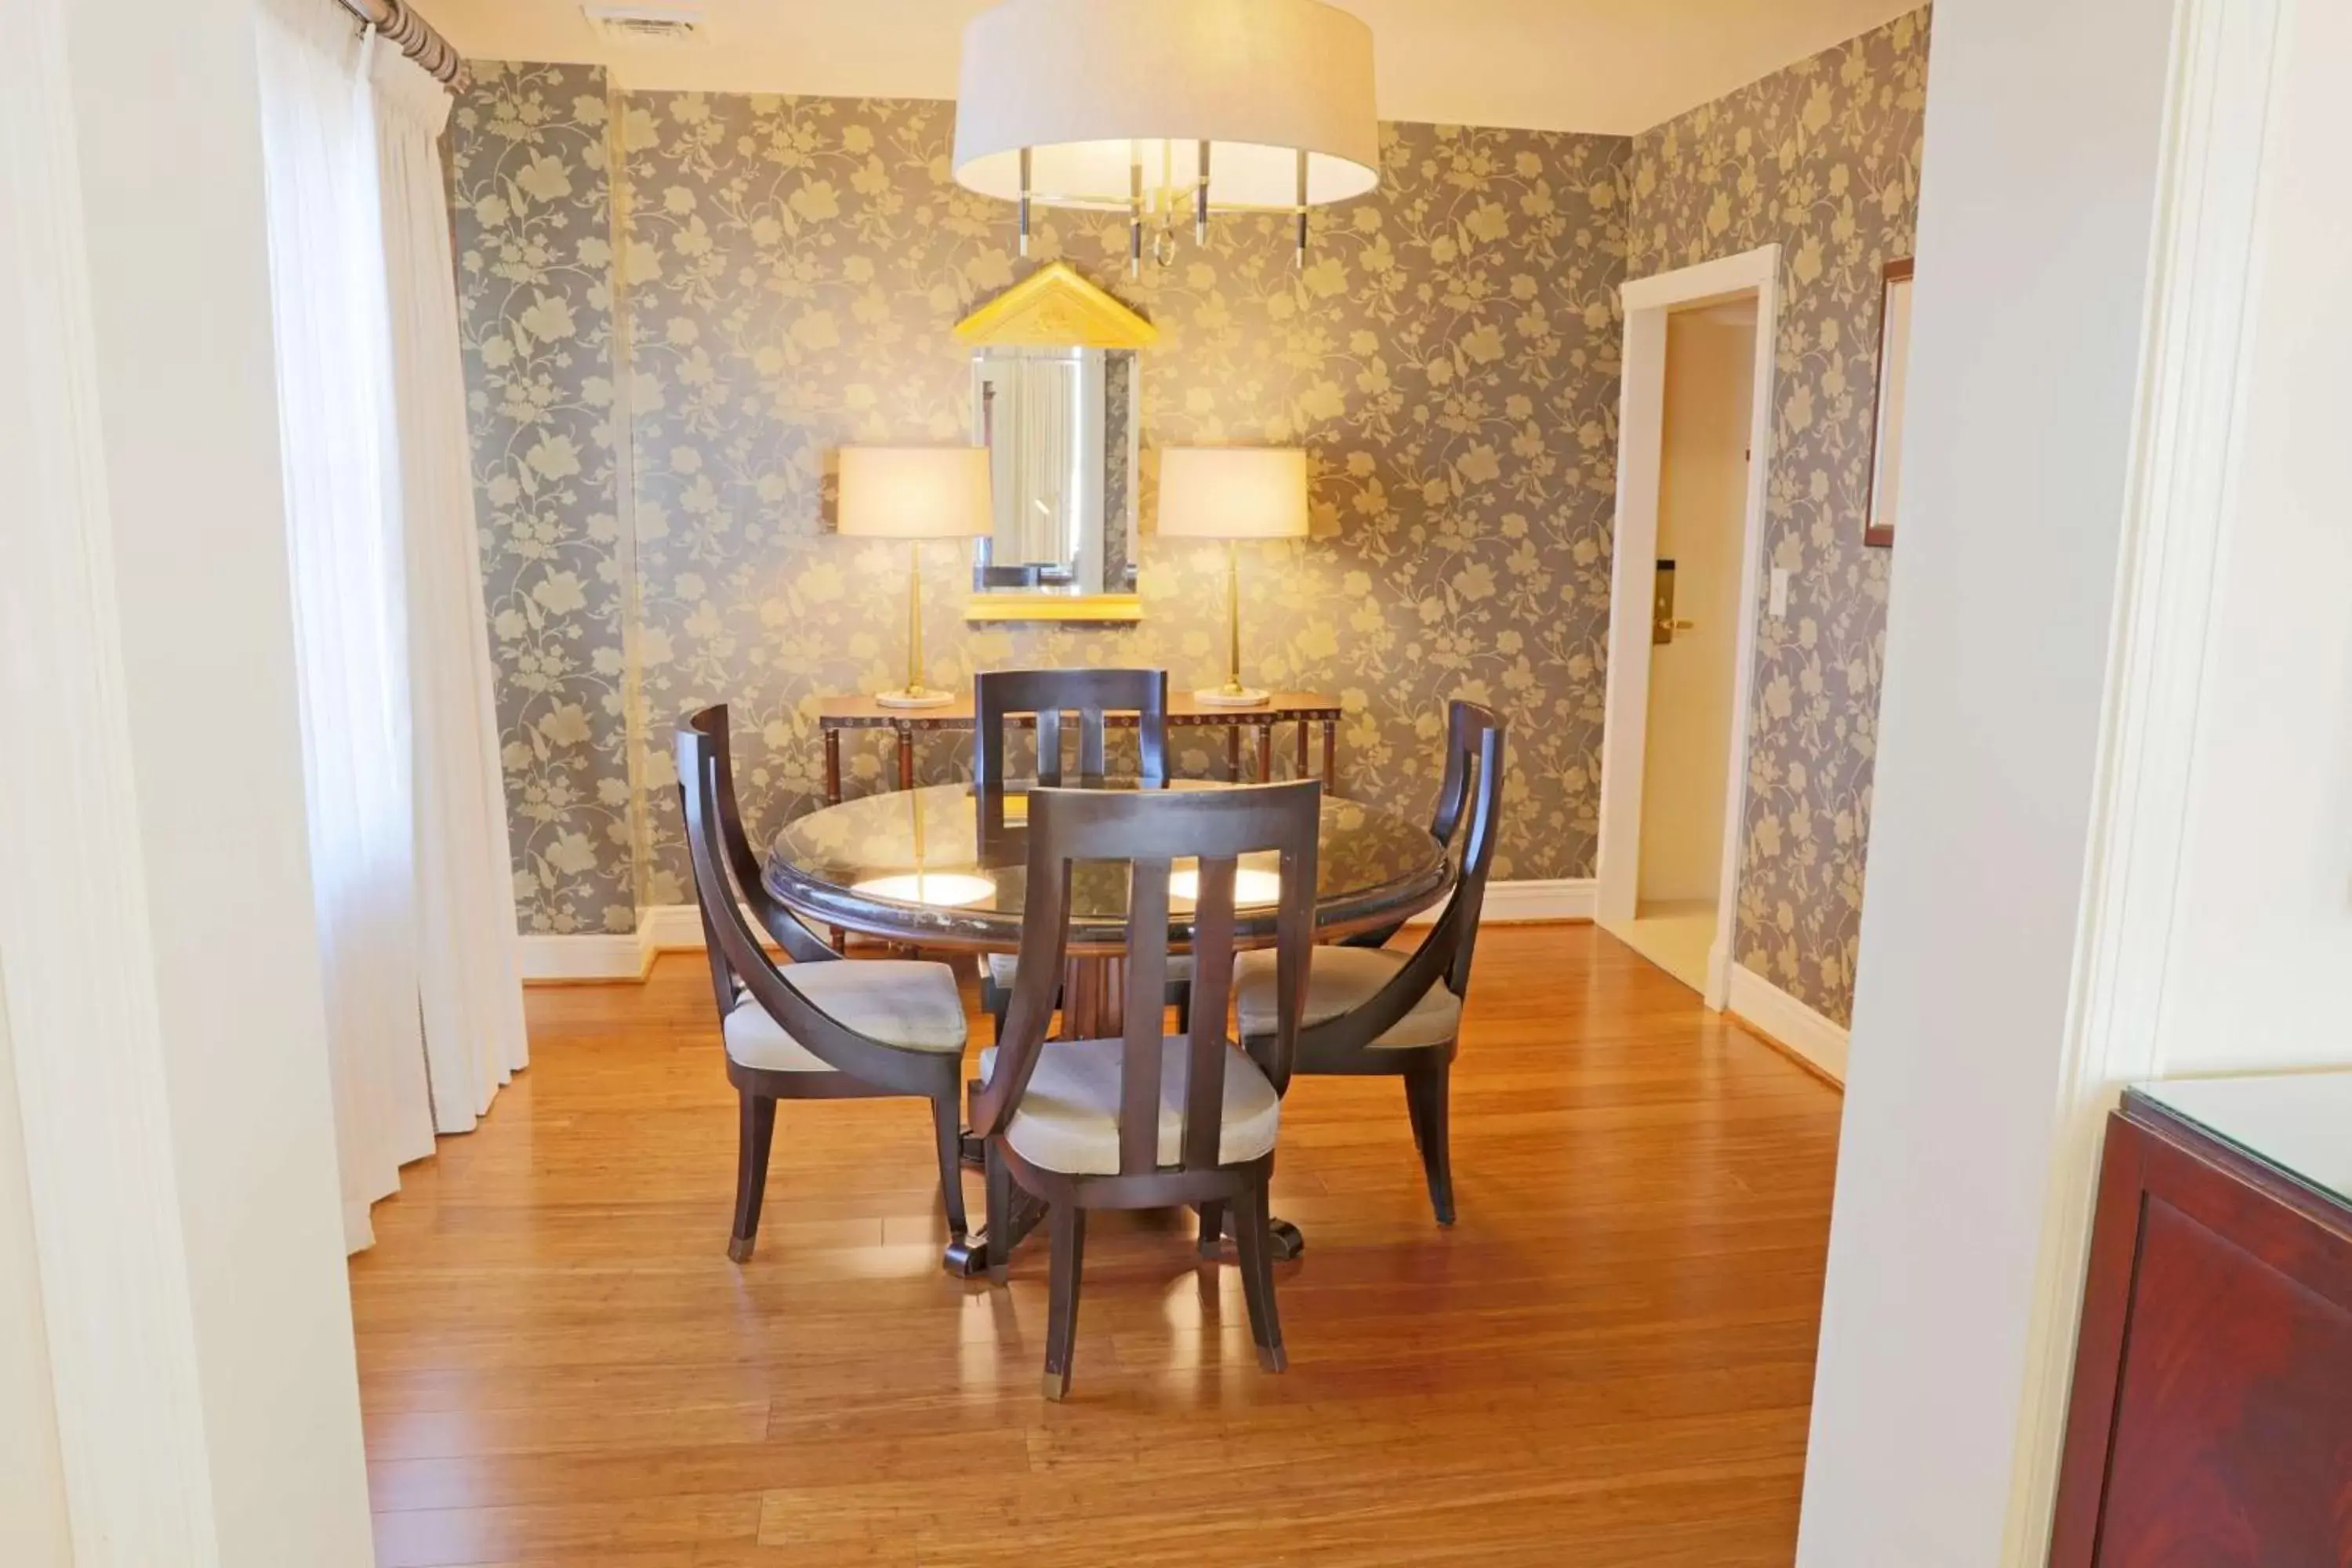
<point x="1167" y="111"/>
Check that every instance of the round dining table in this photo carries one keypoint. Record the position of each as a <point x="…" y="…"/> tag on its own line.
<point x="946" y="867"/>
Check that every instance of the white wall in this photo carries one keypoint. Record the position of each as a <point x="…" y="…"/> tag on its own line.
<point x="1702" y="522"/>
<point x="2259" y="971"/>
<point x="2035" y="228"/>
<point x="32" y="1485"/>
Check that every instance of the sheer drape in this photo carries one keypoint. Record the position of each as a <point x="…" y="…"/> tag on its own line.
<point x="1044" y="408"/>
<point x="415" y="901"/>
<point x="326" y="264"/>
<point x="470" y="981"/>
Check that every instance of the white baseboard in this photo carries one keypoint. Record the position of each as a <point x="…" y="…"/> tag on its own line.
<point x="553" y="960"/>
<point x="677" y="927"/>
<point x="1527" y="902"/>
<point x="1789" y="1022"/>
<point x="670" y="928"/>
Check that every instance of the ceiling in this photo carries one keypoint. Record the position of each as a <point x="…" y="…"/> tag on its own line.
<point x="1616" y="66"/>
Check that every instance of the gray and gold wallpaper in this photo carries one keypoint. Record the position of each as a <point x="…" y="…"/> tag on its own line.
<point x="1822" y="158"/>
<point x="530" y="206"/>
<point x="676" y="307"/>
<point x="791" y="272"/>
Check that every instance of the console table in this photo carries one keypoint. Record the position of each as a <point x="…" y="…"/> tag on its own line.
<point x="1185" y="712"/>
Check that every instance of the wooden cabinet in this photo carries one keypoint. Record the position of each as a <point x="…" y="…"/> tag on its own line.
<point x="2211" y="1418"/>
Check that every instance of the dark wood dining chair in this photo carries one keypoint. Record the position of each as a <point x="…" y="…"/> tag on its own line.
<point x="1382" y="1010"/>
<point x="1149" y="1120"/>
<point x="1445" y="818"/>
<point x="821" y="1027"/>
<point x="1045" y="696"/>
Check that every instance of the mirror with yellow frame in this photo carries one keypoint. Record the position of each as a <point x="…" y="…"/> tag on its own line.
<point x="1057" y="382"/>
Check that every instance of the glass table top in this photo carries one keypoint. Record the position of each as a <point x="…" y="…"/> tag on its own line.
<point x="948" y="864"/>
<point x="2299" y="1124"/>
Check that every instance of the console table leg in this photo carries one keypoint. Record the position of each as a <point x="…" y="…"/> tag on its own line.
<point x="1234" y="753"/>
<point x="833" y="767"/>
<point x="1330" y="755"/>
<point x="1303" y="728"/>
<point x="905" y="756"/>
<point x="1266" y="753"/>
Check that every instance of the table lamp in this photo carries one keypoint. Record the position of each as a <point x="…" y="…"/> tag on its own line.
<point x="1233" y="493"/>
<point x="915" y="493"/>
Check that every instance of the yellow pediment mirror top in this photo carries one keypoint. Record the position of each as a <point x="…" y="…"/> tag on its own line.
<point x="1053" y="308"/>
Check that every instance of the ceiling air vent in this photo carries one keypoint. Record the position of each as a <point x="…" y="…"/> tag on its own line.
<point x="646" y="24"/>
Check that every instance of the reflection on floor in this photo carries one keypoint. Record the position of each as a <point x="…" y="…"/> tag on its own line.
<point x="1607" y="1361"/>
<point x="1673" y="935"/>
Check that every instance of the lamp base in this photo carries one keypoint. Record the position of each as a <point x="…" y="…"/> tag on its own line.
<point x="915" y="697"/>
<point x="1232" y="697"/>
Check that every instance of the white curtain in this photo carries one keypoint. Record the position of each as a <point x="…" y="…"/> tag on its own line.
<point x="470" y="978"/>
<point x="408" y="855"/>
<point x="1044" y="408"/>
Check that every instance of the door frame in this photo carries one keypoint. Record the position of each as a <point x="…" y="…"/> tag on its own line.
<point x="1648" y="301"/>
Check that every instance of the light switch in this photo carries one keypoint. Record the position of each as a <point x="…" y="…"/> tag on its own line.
<point x="1779" y="601"/>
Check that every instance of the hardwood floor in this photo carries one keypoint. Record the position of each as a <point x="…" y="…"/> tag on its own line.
<point x="1607" y="1361"/>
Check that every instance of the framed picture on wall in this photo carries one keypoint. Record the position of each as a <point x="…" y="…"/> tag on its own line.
<point x="1887" y="441"/>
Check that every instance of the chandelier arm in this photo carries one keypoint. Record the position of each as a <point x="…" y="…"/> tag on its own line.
<point x="1301" y="260"/>
<point x="1201" y="200"/>
<point x="1135" y="219"/>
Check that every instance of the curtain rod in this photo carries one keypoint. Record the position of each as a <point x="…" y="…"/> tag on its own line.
<point x="398" y="25"/>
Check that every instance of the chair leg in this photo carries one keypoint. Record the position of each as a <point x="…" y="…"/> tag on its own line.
<point x="947" y="1124"/>
<point x="1213" y="1229"/>
<point x="1251" y="1231"/>
<point x="756" y="1133"/>
<point x="1430" y="1088"/>
<point x="1069" y="1223"/>
<point x="1416" y="1110"/>
<point x="1000" y="1213"/>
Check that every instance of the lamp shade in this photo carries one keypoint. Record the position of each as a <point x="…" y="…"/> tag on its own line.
<point x="915" y="492"/>
<point x="1232" y="492"/>
<point x="1098" y="87"/>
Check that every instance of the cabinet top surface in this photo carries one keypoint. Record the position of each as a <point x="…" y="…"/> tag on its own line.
<point x="2299" y="1123"/>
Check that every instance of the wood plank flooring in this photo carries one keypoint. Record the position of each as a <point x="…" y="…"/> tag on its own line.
<point x="1607" y="1361"/>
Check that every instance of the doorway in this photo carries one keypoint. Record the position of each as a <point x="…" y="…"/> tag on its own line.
<point x="1691" y="483"/>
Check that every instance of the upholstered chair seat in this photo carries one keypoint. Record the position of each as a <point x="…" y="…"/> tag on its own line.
<point x="914" y="1007"/>
<point x="1068" y="1120"/>
<point x="1340" y="980"/>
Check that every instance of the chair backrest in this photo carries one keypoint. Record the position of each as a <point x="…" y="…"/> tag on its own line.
<point x="1475" y="745"/>
<point x="1150" y="831"/>
<point x="707" y="731"/>
<point x="1464" y="724"/>
<point x="1090" y="694"/>
<point x="1474" y="739"/>
<point x="720" y="885"/>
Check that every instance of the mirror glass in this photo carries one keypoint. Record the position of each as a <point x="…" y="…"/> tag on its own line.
<point x="1060" y="425"/>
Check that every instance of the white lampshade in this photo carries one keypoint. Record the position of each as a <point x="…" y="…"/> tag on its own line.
<point x="1096" y="86"/>
<point x="915" y="492"/>
<point x="1232" y="492"/>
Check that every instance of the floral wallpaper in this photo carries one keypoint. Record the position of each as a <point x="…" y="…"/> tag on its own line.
<point x="1824" y="158"/>
<point x="792" y="272"/>
<point x="530" y="208"/>
<point x="780" y="276"/>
